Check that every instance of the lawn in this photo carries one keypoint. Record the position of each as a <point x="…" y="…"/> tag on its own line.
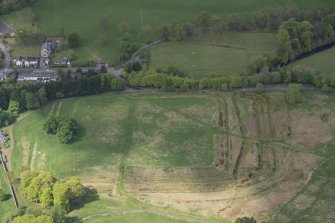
<point x="84" y="15"/>
<point x="151" y="130"/>
<point x="226" y="54"/>
<point x="323" y="61"/>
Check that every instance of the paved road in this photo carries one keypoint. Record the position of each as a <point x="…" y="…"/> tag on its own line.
<point x="6" y="68"/>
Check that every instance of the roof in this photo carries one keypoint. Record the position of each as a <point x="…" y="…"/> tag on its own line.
<point x="5" y="28"/>
<point x="61" y="60"/>
<point x="37" y="74"/>
<point x="49" y="46"/>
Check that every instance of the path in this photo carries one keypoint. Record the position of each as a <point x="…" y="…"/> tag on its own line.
<point x="8" y="151"/>
<point x="144" y="47"/>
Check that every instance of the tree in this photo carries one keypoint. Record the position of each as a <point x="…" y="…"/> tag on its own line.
<point x="285" y="48"/>
<point x="43" y="219"/>
<point x="3" y="195"/>
<point x="61" y="196"/>
<point x="294" y="93"/>
<point x="165" y="31"/>
<point x="325" y="88"/>
<point x="259" y="88"/>
<point x="37" y="186"/>
<point x="14" y="107"/>
<point x="124" y="27"/>
<point x="28" y="218"/>
<point x="178" y="32"/>
<point x="204" y="20"/>
<point x="74" y="40"/>
<point x="246" y="220"/>
<point x="31" y="101"/>
<point x="46" y="197"/>
<point x="42" y="95"/>
<point x="23" y="219"/>
<point x="58" y="215"/>
<point x="64" y="134"/>
<point x="75" y="188"/>
<point x="51" y="125"/>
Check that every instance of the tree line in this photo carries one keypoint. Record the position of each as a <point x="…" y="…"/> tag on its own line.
<point x="168" y="82"/>
<point x="55" y="196"/>
<point x="19" y="97"/>
<point x="267" y="19"/>
<point x="8" y="6"/>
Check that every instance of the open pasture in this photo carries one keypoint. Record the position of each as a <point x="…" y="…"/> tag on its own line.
<point x="213" y="155"/>
<point x="143" y="17"/>
<point x="210" y="54"/>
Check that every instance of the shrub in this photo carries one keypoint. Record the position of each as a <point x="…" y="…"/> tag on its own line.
<point x="3" y="195"/>
<point x="246" y="220"/>
<point x="259" y="88"/>
<point x="294" y="93"/>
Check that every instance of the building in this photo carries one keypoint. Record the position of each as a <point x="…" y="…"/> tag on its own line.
<point x="48" y="48"/>
<point x="64" y="61"/>
<point x="26" y="62"/>
<point x="37" y="75"/>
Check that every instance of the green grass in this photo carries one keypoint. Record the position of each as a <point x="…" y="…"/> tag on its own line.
<point x="315" y="202"/>
<point x="110" y="211"/>
<point x="7" y="208"/>
<point x="323" y="61"/>
<point x="151" y="130"/>
<point x="83" y="16"/>
<point x="229" y="53"/>
<point x="22" y="19"/>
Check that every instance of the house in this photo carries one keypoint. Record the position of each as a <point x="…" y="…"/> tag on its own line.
<point x="62" y="61"/>
<point x="26" y="62"/>
<point x="33" y="62"/>
<point x="18" y="63"/>
<point x="37" y="75"/>
<point x="48" y="48"/>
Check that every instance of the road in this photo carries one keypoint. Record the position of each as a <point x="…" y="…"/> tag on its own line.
<point x="6" y="68"/>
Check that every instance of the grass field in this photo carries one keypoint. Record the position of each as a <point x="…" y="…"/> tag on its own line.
<point x="83" y="16"/>
<point x="323" y="61"/>
<point x="204" y="154"/>
<point x="7" y="208"/>
<point x="225" y="54"/>
<point x="315" y="201"/>
<point x="151" y="130"/>
<point x="126" y="211"/>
